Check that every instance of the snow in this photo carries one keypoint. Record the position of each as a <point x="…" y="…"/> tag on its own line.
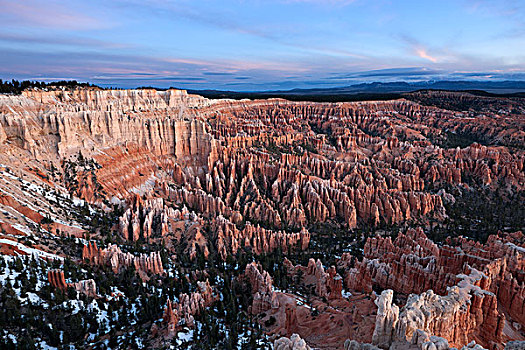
<point x="78" y="202"/>
<point x="76" y="305"/>
<point x="133" y="312"/>
<point x="244" y="338"/>
<point x="115" y="200"/>
<point x="23" y="229"/>
<point x="12" y="338"/>
<point x="102" y="315"/>
<point x="33" y="187"/>
<point x="30" y="251"/>
<point x="139" y="343"/>
<point x="23" y="201"/>
<point x="9" y="174"/>
<point x="43" y="345"/>
<point x="81" y="241"/>
<point x="70" y="224"/>
<point x="34" y="299"/>
<point x="184" y="337"/>
<point x="8" y="274"/>
<point x="346" y="294"/>
<point x="115" y="294"/>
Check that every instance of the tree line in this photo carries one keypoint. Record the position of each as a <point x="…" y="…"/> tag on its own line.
<point x="16" y="87"/>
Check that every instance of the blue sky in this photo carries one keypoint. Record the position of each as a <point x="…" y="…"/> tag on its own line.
<point x="261" y="44"/>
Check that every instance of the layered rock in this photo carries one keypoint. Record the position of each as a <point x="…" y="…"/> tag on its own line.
<point x="469" y="287"/>
<point x="138" y="220"/>
<point x="454" y="317"/>
<point x="328" y="284"/>
<point x="260" y="240"/>
<point x="386" y="320"/>
<point x="88" y="119"/>
<point x="282" y="166"/>
<point x="134" y="132"/>
<point x="410" y="264"/>
<point x="293" y="343"/>
<point x="57" y="280"/>
<point x="321" y="321"/>
<point x="260" y="282"/>
<point x="465" y="312"/>
<point x="113" y="257"/>
<point x="266" y="175"/>
<point x="188" y="306"/>
<point x="87" y="287"/>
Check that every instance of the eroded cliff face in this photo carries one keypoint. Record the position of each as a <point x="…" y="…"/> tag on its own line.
<point x="462" y="292"/>
<point x="284" y="164"/>
<point x="327" y="284"/>
<point x="188" y="306"/>
<point x="86" y="287"/>
<point x="475" y="299"/>
<point x="53" y="125"/>
<point x="218" y="180"/>
<point x="113" y="257"/>
<point x="323" y="317"/>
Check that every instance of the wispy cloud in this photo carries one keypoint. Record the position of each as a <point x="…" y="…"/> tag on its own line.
<point x="395" y="73"/>
<point x="47" y="14"/>
<point x="418" y="49"/>
<point x="422" y="52"/>
<point x="60" y="41"/>
<point x="284" y="35"/>
<point x="257" y="43"/>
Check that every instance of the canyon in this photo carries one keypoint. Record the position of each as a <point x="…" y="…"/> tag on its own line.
<point x="313" y="225"/>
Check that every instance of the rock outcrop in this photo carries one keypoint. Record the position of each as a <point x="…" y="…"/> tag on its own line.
<point x="113" y="257"/>
<point x="355" y="345"/>
<point x="188" y="306"/>
<point x="386" y="320"/>
<point x="230" y="238"/>
<point x="327" y="284"/>
<point x="206" y="178"/>
<point x="138" y="137"/>
<point x="260" y="282"/>
<point x="293" y="343"/>
<point x="468" y="287"/>
<point x="57" y="280"/>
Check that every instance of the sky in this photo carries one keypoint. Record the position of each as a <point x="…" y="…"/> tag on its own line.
<point x="247" y="45"/>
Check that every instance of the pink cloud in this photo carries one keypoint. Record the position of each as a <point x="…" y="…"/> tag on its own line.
<point x="237" y="65"/>
<point x="49" y="15"/>
<point x="421" y="52"/>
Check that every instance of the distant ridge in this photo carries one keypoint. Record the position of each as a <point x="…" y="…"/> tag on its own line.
<point x="403" y="86"/>
<point x="355" y="92"/>
<point x="378" y="91"/>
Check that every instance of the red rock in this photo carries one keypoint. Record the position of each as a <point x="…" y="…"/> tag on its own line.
<point x="255" y="174"/>
<point x="112" y="256"/>
<point x="230" y="238"/>
<point x="478" y="284"/>
<point x="57" y="280"/>
<point x="260" y="282"/>
<point x="327" y="284"/>
<point x="188" y="306"/>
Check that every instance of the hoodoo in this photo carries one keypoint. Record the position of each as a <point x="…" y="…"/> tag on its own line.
<point x="160" y="218"/>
